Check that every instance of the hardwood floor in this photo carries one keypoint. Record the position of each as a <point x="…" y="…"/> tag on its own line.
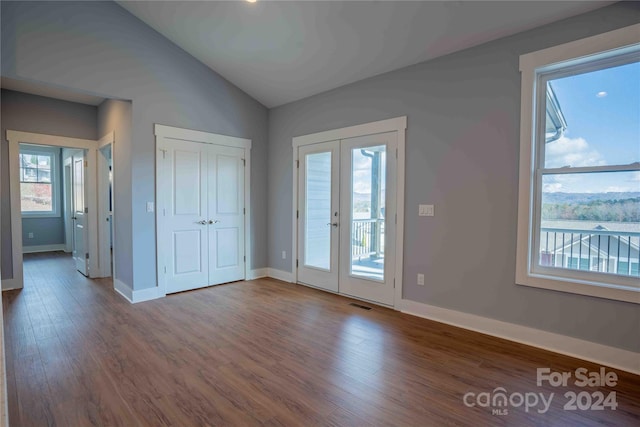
<point x="263" y="353"/>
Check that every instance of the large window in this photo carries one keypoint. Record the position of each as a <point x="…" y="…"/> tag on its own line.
<point x="39" y="181"/>
<point x="579" y="204"/>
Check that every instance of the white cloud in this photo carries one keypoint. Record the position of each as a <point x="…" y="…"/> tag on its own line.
<point x="552" y="187"/>
<point x="572" y="152"/>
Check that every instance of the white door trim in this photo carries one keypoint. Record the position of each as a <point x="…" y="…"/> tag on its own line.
<point x="171" y="132"/>
<point x="104" y="228"/>
<point x="397" y="124"/>
<point x="15" y="138"/>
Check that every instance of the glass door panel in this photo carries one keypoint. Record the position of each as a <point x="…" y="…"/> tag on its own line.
<point x="317" y="212"/>
<point x="318" y="227"/>
<point x="368" y="199"/>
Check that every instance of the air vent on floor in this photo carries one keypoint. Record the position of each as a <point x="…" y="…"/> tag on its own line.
<point x="364" y="307"/>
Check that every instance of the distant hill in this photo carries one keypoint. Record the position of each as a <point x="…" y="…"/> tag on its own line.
<point x="620" y="207"/>
<point x="587" y="197"/>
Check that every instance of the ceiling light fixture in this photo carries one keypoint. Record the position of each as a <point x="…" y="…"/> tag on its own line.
<point x="601" y="94"/>
<point x="252" y="1"/>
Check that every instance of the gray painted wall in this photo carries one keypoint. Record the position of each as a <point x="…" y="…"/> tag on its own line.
<point x="31" y="113"/>
<point x="462" y="155"/>
<point x="100" y="48"/>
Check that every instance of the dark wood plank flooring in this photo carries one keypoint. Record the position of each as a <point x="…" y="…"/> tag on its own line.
<point x="260" y="353"/>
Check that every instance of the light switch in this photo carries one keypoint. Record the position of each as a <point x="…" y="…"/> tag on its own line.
<point x="149" y="206"/>
<point x="425" y="210"/>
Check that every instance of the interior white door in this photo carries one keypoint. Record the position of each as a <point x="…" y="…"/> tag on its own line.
<point x="201" y="234"/>
<point x="80" y="253"/>
<point x="368" y="217"/>
<point x="184" y="234"/>
<point x="226" y="212"/>
<point x="318" y="215"/>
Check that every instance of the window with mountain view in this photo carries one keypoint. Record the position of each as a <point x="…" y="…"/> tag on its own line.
<point x="584" y="224"/>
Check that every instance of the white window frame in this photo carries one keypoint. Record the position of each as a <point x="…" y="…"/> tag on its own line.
<point x="532" y="65"/>
<point x="54" y="154"/>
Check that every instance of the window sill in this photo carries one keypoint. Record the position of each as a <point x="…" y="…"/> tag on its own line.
<point x="580" y="287"/>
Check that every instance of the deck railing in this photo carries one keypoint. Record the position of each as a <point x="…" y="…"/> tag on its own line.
<point x="592" y="250"/>
<point x="367" y="238"/>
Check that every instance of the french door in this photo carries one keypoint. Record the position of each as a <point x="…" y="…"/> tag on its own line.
<point x="346" y="216"/>
<point x="201" y="228"/>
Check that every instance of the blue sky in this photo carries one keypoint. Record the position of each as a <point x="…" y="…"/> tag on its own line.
<point x="602" y="110"/>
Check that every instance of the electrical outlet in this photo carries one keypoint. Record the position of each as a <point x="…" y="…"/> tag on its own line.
<point x="31" y="235"/>
<point x="284" y="254"/>
<point x="420" y="279"/>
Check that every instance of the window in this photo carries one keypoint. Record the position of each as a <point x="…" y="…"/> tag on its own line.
<point x="39" y="181"/>
<point x="579" y="201"/>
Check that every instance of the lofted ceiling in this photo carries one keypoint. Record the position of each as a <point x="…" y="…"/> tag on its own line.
<point x="49" y="91"/>
<point x="282" y="51"/>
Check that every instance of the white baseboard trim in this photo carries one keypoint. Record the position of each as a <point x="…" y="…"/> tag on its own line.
<point x="123" y="289"/>
<point x="617" y="358"/>
<point x="147" y="294"/>
<point x="42" y="248"/>
<point x="134" y="296"/>
<point x="10" y="284"/>
<point x="258" y="273"/>
<point x="285" y="276"/>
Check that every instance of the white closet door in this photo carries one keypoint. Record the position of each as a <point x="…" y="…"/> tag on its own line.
<point x="226" y="214"/>
<point x="184" y="234"/>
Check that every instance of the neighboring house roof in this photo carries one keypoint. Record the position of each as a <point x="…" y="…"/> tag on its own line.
<point x="582" y="230"/>
<point x="624" y="227"/>
<point x="555" y="124"/>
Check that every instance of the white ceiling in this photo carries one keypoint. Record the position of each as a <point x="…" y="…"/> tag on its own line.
<point x="282" y="51"/>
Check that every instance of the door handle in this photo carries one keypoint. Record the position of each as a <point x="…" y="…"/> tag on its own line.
<point x="213" y="221"/>
<point x="74" y="218"/>
<point x="202" y="222"/>
<point x="333" y="224"/>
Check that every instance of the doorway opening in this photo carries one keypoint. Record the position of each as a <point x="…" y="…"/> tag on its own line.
<point x="55" y="189"/>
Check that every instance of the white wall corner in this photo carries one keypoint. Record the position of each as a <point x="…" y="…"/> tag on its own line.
<point x="613" y="357"/>
<point x="285" y="276"/>
<point x="258" y="273"/>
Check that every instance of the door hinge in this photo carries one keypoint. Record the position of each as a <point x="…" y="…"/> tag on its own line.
<point x="296" y="263"/>
<point x="245" y="258"/>
<point x="86" y="256"/>
<point x="244" y="211"/>
<point x="396" y="218"/>
<point x="86" y="164"/>
<point x="394" y="283"/>
<point x="164" y="212"/>
<point x="86" y="210"/>
<point x="164" y="154"/>
<point x="298" y="164"/>
<point x="396" y="153"/>
<point x="244" y="162"/>
<point x="297" y="214"/>
<point x="165" y="269"/>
